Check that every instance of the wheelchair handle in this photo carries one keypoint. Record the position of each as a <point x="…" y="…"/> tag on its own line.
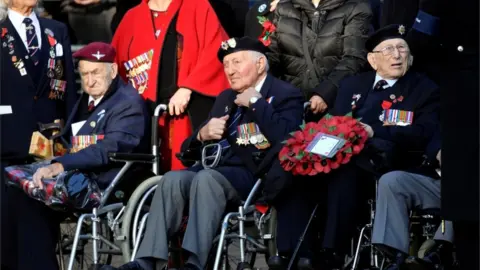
<point x="216" y="157"/>
<point x="156" y="115"/>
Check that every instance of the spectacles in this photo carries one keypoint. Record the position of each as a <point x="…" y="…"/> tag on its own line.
<point x="389" y="50"/>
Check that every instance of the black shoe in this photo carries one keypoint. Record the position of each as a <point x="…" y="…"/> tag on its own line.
<point x="277" y="263"/>
<point x="304" y="264"/>
<point x="129" y="266"/>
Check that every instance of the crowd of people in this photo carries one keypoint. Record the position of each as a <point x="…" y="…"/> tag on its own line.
<point x="245" y="88"/>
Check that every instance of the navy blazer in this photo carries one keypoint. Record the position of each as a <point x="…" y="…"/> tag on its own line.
<point x="28" y="95"/>
<point x="123" y="120"/>
<point x="276" y="119"/>
<point x="421" y="96"/>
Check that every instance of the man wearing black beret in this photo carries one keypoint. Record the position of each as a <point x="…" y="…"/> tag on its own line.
<point x="248" y="121"/>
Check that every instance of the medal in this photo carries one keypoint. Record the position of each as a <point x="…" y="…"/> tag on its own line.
<point x="92" y="124"/>
<point x="52" y="53"/>
<point x="262" y="8"/>
<point x="23" y="71"/>
<point x="50" y="74"/>
<point x="253" y="139"/>
<point x="392" y="96"/>
<point x="4" y="44"/>
<point x="260" y="138"/>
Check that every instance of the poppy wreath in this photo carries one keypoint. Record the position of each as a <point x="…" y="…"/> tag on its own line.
<point x="294" y="157"/>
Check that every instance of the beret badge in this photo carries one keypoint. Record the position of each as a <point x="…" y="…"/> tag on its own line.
<point x="401" y="30"/>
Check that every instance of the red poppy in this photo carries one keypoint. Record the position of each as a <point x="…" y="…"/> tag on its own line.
<point x="4" y="32"/>
<point x="303" y="168"/>
<point x="386" y="105"/>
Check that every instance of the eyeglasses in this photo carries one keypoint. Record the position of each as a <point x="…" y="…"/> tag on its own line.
<point x="389" y="50"/>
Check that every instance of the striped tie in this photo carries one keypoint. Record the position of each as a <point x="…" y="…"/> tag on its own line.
<point x="380" y="85"/>
<point x="32" y="40"/>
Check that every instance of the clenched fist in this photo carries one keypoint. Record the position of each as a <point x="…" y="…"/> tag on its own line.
<point x="214" y="129"/>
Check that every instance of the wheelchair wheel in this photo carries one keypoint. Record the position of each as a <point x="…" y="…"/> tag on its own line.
<point x="84" y="257"/>
<point x="138" y="205"/>
<point x="231" y="254"/>
<point x="270" y="234"/>
<point x="426" y="247"/>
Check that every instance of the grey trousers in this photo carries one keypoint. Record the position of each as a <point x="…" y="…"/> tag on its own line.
<point x="206" y="193"/>
<point x="398" y="193"/>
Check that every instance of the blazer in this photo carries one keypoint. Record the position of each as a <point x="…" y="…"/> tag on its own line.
<point x="277" y="113"/>
<point x="36" y="94"/>
<point x="123" y="119"/>
<point x="420" y="96"/>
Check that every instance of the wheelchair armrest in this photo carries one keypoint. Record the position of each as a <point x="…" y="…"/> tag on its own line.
<point x="134" y="157"/>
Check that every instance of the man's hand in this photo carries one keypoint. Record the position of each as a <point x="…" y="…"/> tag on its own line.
<point x="368" y="129"/>
<point x="214" y="129"/>
<point x="86" y="2"/>
<point x="439" y="157"/>
<point x="273" y="5"/>
<point x="317" y="104"/>
<point x="49" y="171"/>
<point x="243" y="99"/>
<point x="179" y="101"/>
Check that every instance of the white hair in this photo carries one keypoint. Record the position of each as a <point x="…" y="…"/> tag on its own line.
<point x="3" y="10"/>
<point x="257" y="55"/>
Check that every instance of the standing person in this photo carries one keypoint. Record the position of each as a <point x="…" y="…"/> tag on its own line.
<point x="166" y="49"/>
<point x="122" y="6"/>
<point x="314" y="44"/>
<point x="37" y="83"/>
<point x="453" y="31"/>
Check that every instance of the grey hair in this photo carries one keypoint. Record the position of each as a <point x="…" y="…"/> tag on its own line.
<point x="257" y="55"/>
<point x="3" y="10"/>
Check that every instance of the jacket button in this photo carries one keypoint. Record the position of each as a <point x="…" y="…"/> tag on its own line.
<point x="26" y="56"/>
<point x="460" y="48"/>
<point x="315" y="13"/>
<point x="323" y="12"/>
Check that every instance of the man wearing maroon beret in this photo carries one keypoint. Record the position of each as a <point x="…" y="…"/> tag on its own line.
<point x="112" y="117"/>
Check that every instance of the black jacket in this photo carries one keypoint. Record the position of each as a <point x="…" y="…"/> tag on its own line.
<point x="335" y="36"/>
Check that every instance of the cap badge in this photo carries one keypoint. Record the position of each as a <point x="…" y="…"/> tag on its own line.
<point x="232" y="43"/>
<point x="224" y="45"/>
<point x="401" y="30"/>
<point x="262" y="8"/>
<point x="98" y="55"/>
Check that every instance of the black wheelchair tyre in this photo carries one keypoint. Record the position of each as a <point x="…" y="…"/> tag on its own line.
<point x="130" y="212"/>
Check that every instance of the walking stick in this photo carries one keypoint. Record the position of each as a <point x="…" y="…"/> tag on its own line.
<point x="300" y="240"/>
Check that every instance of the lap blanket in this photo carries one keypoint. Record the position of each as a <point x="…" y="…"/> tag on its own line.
<point x="68" y="191"/>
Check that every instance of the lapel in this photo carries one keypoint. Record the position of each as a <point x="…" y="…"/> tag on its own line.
<point x="95" y="118"/>
<point x="69" y="123"/>
<point x="19" y="50"/>
<point x="45" y="55"/>
<point x="365" y="86"/>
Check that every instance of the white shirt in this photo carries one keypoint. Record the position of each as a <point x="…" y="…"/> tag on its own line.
<point x="95" y="101"/>
<point x="17" y="21"/>
<point x="379" y="78"/>
<point x="259" y="85"/>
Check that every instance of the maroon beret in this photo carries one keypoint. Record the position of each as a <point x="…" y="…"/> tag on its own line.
<point x="96" y="52"/>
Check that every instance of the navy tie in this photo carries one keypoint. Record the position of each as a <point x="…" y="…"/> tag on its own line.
<point x="380" y="85"/>
<point x="232" y="127"/>
<point x="32" y="40"/>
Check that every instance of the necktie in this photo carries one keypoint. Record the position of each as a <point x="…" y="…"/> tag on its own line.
<point x="380" y="85"/>
<point x="32" y="40"/>
<point x="91" y="106"/>
<point x="231" y="130"/>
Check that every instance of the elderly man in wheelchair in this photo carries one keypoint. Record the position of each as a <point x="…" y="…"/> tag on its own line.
<point x="110" y="116"/>
<point x="400" y="192"/>
<point x="385" y="100"/>
<point x="244" y="125"/>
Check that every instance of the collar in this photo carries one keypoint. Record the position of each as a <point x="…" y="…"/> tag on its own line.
<point x="391" y="83"/>
<point x="259" y="85"/>
<point x="95" y="101"/>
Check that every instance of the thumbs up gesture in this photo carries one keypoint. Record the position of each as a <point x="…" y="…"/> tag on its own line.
<point x="214" y="129"/>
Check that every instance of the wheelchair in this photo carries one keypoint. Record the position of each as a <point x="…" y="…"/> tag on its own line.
<point x="117" y="225"/>
<point x="106" y="225"/>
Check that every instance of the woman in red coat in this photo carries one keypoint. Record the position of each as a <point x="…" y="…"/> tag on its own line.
<point x="167" y="49"/>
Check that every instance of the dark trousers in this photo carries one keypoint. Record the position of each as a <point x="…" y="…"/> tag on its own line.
<point x="337" y="194"/>
<point x="30" y="232"/>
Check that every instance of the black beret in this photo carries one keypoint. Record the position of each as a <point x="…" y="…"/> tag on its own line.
<point x="253" y="24"/>
<point x="240" y="44"/>
<point x="387" y="32"/>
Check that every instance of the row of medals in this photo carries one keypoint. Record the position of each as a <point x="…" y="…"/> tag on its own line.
<point x="137" y="70"/>
<point x="257" y="140"/>
<point x="55" y="70"/>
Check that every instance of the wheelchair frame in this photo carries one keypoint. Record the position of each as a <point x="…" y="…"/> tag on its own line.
<point x="129" y="159"/>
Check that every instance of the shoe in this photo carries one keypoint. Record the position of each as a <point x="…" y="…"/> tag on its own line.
<point x="414" y="263"/>
<point x="186" y="267"/>
<point x="304" y="264"/>
<point x="277" y="263"/>
<point x="129" y="266"/>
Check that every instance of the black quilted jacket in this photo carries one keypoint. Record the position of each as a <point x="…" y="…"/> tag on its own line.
<point x="335" y="34"/>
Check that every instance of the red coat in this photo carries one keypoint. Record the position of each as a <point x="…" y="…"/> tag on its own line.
<point x="199" y="68"/>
